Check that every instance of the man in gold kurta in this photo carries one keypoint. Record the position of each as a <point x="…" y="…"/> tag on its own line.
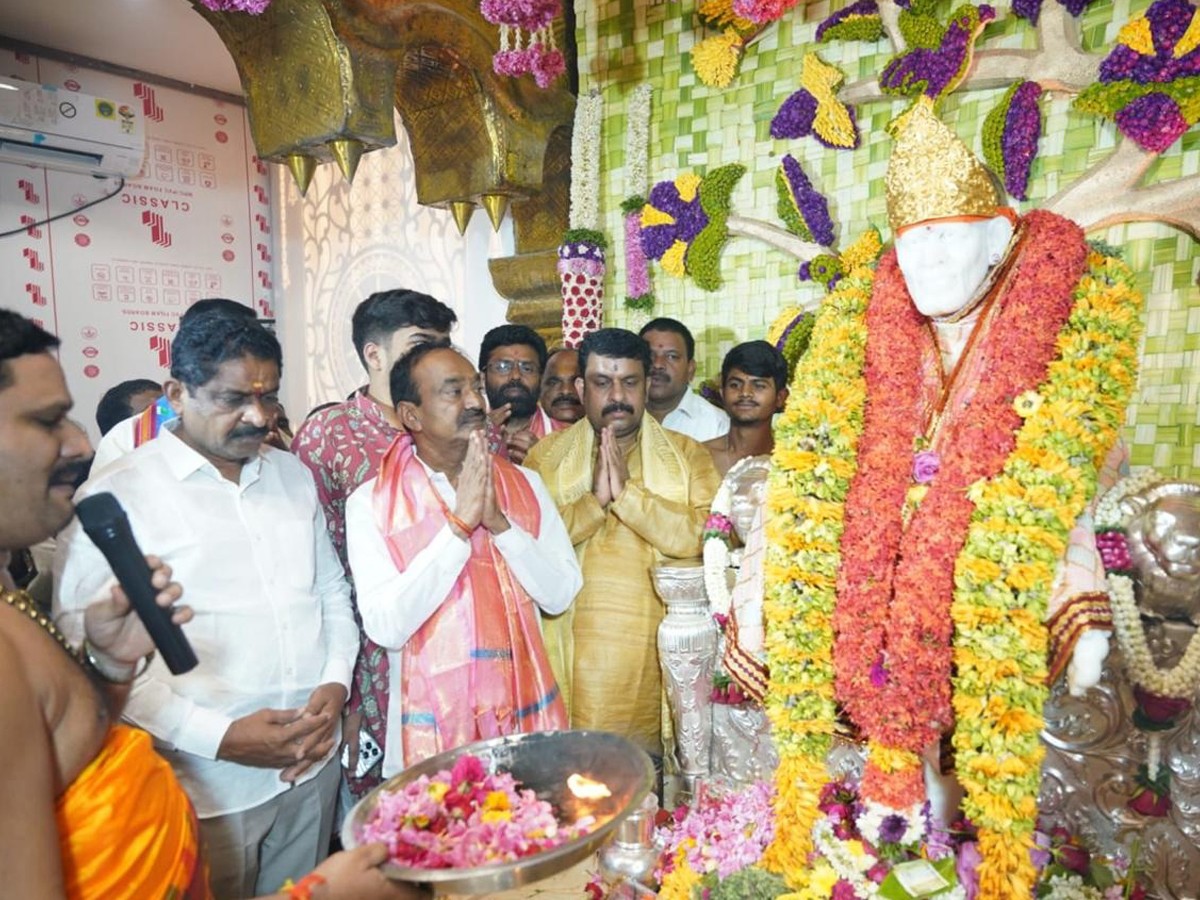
<point x="633" y="495"/>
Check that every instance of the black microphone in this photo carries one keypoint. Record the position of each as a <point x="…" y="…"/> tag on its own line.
<point x="107" y="525"/>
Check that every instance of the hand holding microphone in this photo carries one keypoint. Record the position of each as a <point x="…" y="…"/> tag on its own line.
<point x="145" y="585"/>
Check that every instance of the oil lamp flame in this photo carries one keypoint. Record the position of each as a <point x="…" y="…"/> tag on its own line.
<point x="586" y="789"/>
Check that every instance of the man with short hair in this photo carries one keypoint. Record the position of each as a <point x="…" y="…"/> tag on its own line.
<point x="342" y="447"/>
<point x="125" y="400"/>
<point x="250" y="731"/>
<point x="454" y="550"/>
<point x="753" y="389"/>
<point x="145" y="424"/>
<point x="671" y="400"/>
<point x="560" y="400"/>
<point x="93" y="809"/>
<point x="633" y="496"/>
<point x="512" y="359"/>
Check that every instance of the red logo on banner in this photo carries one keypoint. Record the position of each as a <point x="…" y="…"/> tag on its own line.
<point x="91" y="371"/>
<point x="260" y="166"/>
<point x="83" y="240"/>
<point x="262" y="252"/>
<point x="161" y="346"/>
<point x="35" y="293"/>
<point x="220" y="119"/>
<point x="30" y="222"/>
<point x="81" y="220"/>
<point x="26" y="187"/>
<point x="72" y="85"/>
<point x="158" y="230"/>
<point x="91" y="352"/>
<point x="222" y="137"/>
<point x="34" y="260"/>
<point x="89" y="333"/>
<point x="262" y="223"/>
<point x="228" y="255"/>
<point x="150" y="106"/>
<point x="263" y="277"/>
<point x="261" y="194"/>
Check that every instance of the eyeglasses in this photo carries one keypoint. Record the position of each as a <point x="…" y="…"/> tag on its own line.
<point x="505" y="366"/>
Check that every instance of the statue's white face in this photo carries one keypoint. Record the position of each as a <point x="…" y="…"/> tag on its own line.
<point x="944" y="263"/>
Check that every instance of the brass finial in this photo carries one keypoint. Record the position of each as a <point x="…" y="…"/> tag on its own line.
<point x="302" y="168"/>
<point x="346" y="153"/>
<point x="495" y="204"/>
<point x="462" y="209"/>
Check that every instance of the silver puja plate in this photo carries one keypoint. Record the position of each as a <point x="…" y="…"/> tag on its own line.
<point x="541" y="762"/>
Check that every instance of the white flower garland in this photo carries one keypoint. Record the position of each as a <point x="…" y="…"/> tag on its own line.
<point x="1179" y="682"/>
<point x="637" y="140"/>
<point x="585" y="161"/>
<point x="716" y="556"/>
<point x="1071" y="887"/>
<point x="850" y="866"/>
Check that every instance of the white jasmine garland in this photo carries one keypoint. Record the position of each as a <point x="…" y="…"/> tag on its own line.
<point x="637" y="140"/>
<point x="850" y="863"/>
<point x="585" y="161"/>
<point x="1071" y="887"/>
<point x="1181" y="681"/>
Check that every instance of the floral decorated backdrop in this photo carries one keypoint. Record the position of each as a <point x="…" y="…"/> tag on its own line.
<point x="698" y="129"/>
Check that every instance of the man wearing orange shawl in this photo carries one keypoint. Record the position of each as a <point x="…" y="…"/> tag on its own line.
<point x="453" y="552"/>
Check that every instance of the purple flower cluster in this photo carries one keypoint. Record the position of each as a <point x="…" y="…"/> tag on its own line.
<point x="1169" y="21"/>
<point x="934" y="71"/>
<point x="926" y="464"/>
<point x="689" y="217"/>
<point x="253" y="7"/>
<point x="527" y="14"/>
<point x="1019" y="142"/>
<point x="859" y="8"/>
<point x="726" y="833"/>
<point x="796" y="117"/>
<point x="1153" y="120"/>
<point x="809" y="202"/>
<point x="1031" y="9"/>
<point x="543" y="63"/>
<point x="1113" y="547"/>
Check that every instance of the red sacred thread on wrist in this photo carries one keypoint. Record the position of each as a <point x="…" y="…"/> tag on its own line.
<point x="302" y="889"/>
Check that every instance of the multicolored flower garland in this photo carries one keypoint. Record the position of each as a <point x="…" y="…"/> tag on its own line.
<point x="1006" y="567"/>
<point x="1150" y="83"/>
<point x="581" y="255"/>
<point x="527" y="45"/>
<point x="816" y="459"/>
<point x="638" y="293"/>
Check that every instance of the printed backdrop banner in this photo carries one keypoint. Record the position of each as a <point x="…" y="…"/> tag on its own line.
<point x="111" y="280"/>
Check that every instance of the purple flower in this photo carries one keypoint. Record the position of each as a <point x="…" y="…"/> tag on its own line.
<point x="1022" y="128"/>
<point x="808" y="202"/>
<point x="795" y="117"/>
<point x="925" y="466"/>
<point x="879" y="673"/>
<point x="1154" y="121"/>
<point x="1075" y="7"/>
<point x="1040" y="854"/>
<point x="843" y="890"/>
<point x="1169" y="20"/>
<point x="879" y="872"/>
<point x="688" y="215"/>
<point x="967" y="869"/>
<point x="892" y="829"/>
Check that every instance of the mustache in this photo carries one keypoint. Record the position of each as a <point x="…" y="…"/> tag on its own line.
<point x="470" y="417"/>
<point x="248" y="431"/>
<point x="72" y="473"/>
<point x="565" y="400"/>
<point x="617" y="407"/>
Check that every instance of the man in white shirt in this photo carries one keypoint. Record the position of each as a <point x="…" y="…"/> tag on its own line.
<point x="453" y="551"/>
<point x="672" y="368"/>
<point x="250" y="731"/>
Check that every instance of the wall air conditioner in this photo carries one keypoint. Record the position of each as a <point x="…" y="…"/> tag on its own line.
<point x="42" y="125"/>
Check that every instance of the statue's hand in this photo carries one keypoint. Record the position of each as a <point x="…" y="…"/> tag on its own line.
<point x="1087" y="661"/>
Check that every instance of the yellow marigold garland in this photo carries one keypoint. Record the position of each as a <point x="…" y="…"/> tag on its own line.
<point x="1005" y="571"/>
<point x="816" y="441"/>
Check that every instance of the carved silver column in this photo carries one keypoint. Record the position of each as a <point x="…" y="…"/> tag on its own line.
<point x="687" y="652"/>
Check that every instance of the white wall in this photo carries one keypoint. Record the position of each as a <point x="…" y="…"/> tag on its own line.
<point x="112" y="280"/>
<point x="343" y="242"/>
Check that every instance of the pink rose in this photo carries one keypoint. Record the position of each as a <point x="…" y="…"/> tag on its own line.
<point x="1150" y="804"/>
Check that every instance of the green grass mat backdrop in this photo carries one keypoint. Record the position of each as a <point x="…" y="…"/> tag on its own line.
<point x="697" y="128"/>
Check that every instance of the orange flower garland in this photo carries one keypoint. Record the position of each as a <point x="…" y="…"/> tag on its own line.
<point x="893" y="653"/>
